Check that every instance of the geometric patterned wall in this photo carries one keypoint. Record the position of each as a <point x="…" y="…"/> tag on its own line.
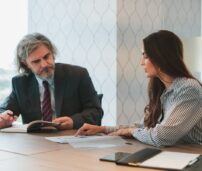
<point x="84" y="31"/>
<point x="105" y="36"/>
<point x="136" y="19"/>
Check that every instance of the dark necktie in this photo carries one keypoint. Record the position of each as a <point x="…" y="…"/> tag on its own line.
<point x="46" y="103"/>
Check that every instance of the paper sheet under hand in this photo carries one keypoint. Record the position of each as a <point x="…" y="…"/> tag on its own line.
<point x="89" y="141"/>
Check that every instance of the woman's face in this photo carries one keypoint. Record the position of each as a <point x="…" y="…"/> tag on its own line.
<point x="149" y="68"/>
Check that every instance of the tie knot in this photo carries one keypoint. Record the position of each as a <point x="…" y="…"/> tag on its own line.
<point x="45" y="84"/>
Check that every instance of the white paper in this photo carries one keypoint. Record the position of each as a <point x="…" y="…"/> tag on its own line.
<point x="170" y="160"/>
<point x="89" y="141"/>
<point x="16" y="127"/>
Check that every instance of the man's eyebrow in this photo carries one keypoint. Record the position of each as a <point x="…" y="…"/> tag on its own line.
<point x="35" y="61"/>
<point x="46" y="55"/>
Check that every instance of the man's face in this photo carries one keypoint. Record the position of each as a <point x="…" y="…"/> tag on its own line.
<point x="41" y="62"/>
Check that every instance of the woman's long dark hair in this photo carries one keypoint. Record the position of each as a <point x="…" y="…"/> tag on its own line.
<point x="165" y="51"/>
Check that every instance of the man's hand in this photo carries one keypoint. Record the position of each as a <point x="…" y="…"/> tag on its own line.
<point x="88" y="129"/>
<point x="6" y="118"/>
<point x="128" y="132"/>
<point x="65" y="122"/>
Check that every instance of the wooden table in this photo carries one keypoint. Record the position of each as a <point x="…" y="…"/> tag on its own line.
<point x="32" y="152"/>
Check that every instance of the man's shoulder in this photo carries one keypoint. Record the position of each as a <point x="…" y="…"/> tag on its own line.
<point x="22" y="77"/>
<point x="69" y="67"/>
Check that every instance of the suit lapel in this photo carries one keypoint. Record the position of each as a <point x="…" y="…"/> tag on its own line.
<point x="59" y="83"/>
<point x="34" y="96"/>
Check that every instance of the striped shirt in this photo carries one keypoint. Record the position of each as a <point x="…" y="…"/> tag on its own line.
<point x="182" y="123"/>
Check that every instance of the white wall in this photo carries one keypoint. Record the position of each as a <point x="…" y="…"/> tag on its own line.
<point x="193" y="55"/>
<point x="13" y="17"/>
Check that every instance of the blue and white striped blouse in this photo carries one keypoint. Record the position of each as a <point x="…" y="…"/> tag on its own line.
<point x="182" y="123"/>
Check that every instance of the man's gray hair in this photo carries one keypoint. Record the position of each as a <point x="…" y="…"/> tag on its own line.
<point x="27" y="45"/>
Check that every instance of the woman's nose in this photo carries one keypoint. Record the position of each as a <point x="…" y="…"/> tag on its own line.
<point x="142" y="61"/>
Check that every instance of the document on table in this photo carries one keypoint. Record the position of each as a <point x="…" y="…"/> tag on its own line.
<point x="89" y="141"/>
<point x="171" y="160"/>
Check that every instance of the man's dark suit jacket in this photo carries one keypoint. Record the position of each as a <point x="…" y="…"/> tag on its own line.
<point x="75" y="96"/>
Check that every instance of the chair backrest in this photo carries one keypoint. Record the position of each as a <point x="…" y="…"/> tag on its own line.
<point x="100" y="96"/>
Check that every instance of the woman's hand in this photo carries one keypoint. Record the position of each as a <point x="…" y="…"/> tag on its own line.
<point x="88" y="129"/>
<point x="128" y="132"/>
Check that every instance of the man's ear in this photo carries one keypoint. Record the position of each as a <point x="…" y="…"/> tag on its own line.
<point x="24" y="63"/>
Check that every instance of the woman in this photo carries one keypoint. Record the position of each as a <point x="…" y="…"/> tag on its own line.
<point x="174" y="112"/>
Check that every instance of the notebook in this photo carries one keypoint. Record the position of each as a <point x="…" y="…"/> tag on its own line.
<point x="34" y="126"/>
<point x="156" y="158"/>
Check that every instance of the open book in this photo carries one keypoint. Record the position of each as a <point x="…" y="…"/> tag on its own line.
<point x="156" y="158"/>
<point x="34" y="126"/>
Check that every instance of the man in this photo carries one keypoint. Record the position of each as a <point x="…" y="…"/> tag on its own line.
<point x="72" y="99"/>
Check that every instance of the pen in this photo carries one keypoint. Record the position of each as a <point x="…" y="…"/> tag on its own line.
<point x="12" y="115"/>
<point x="193" y="161"/>
<point x="129" y="143"/>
